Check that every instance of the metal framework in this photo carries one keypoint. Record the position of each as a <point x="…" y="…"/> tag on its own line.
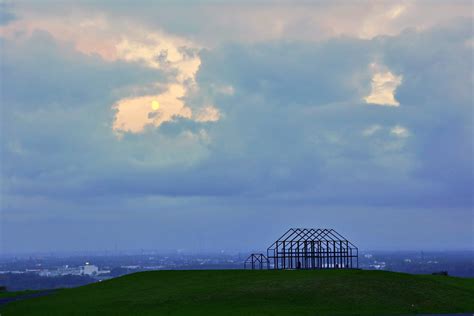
<point x="257" y="261"/>
<point x="307" y="248"/>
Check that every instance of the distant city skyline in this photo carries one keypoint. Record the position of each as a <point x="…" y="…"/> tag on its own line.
<point x="205" y="126"/>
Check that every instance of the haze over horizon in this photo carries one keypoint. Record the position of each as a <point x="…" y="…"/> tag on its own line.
<point x="209" y="126"/>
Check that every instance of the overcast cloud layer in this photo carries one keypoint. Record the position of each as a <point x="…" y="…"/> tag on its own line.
<point x="315" y="121"/>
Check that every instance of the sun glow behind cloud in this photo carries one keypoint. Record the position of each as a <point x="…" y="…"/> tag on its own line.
<point x="167" y="53"/>
<point x="176" y="56"/>
<point x="134" y="113"/>
<point x="155" y="105"/>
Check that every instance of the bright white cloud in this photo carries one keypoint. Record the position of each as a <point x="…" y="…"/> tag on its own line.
<point x="383" y="86"/>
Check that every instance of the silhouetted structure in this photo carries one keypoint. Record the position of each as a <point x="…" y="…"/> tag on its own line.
<point x="256" y="261"/>
<point x="307" y="248"/>
<point x="313" y="249"/>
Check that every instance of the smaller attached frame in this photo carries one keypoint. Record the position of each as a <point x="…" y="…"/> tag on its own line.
<point x="256" y="261"/>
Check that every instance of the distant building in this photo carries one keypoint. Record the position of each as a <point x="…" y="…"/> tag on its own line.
<point x="44" y="273"/>
<point x="89" y="269"/>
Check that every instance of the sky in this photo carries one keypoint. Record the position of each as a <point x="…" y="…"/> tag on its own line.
<point x="218" y="125"/>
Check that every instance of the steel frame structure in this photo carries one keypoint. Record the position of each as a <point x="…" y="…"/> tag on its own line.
<point x="257" y="260"/>
<point x="308" y="248"/>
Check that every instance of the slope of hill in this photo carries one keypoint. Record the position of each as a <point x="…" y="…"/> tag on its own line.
<point x="240" y="292"/>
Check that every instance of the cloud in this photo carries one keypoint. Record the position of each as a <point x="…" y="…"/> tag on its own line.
<point x="64" y="77"/>
<point x="272" y="91"/>
<point x="6" y="14"/>
<point x="290" y="106"/>
<point x="134" y="114"/>
<point x="64" y="122"/>
<point x="371" y="130"/>
<point x="399" y="131"/>
<point x="243" y="128"/>
<point x="174" y="55"/>
<point x="383" y="87"/>
<point x="213" y="23"/>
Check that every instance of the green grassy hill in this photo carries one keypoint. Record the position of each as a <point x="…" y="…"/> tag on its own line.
<point x="240" y="292"/>
<point x="13" y="294"/>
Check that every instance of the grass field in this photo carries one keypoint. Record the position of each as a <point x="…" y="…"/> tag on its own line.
<point x="240" y="292"/>
<point x="17" y="293"/>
